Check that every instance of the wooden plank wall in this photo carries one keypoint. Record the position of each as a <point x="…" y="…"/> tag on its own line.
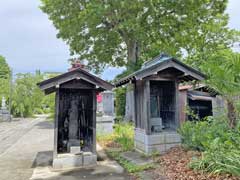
<point x="182" y="105"/>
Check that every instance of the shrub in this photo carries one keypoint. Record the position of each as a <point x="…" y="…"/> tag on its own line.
<point x="222" y="155"/>
<point x="219" y="143"/>
<point x="199" y="135"/>
<point x="124" y="135"/>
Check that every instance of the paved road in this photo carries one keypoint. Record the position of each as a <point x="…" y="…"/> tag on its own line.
<point x="20" y="143"/>
<point x="26" y="153"/>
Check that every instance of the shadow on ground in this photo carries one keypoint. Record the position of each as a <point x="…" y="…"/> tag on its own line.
<point x="43" y="159"/>
<point x="45" y="125"/>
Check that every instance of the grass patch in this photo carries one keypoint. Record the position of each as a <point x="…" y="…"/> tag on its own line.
<point x="122" y="137"/>
<point x="121" y="140"/>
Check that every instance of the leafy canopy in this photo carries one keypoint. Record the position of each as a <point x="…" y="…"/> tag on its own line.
<point x="223" y="69"/>
<point x="28" y="99"/>
<point x="116" y="32"/>
<point x="4" y="68"/>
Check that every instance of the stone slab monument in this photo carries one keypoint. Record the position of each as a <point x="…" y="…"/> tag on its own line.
<point x="4" y="113"/>
<point x="75" y="116"/>
<point x="105" y="118"/>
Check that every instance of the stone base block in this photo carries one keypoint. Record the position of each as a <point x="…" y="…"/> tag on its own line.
<point x="160" y="142"/>
<point x="66" y="161"/>
<point x="75" y="149"/>
<point x="5" y="117"/>
<point x="105" y="124"/>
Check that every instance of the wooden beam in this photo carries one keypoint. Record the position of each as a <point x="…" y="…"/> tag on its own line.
<point x="146" y="107"/>
<point x="56" y="124"/>
<point x="94" y="109"/>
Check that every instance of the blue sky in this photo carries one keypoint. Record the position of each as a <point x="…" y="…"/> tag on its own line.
<point x="28" y="39"/>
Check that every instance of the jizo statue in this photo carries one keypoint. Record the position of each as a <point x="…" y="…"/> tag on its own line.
<point x="73" y="121"/>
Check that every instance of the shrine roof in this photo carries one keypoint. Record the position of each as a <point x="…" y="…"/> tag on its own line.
<point x="159" y="64"/>
<point x="51" y="85"/>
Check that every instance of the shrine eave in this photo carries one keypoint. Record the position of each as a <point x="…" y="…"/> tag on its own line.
<point x="160" y="64"/>
<point x="52" y="84"/>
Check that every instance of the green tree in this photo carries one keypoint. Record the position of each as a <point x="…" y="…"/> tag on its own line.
<point x="122" y="33"/>
<point x="27" y="96"/>
<point x="4" y="78"/>
<point x="28" y="99"/>
<point x="4" y="68"/>
<point x="223" y="70"/>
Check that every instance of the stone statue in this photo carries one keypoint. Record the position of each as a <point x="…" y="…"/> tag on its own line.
<point x="4" y="113"/>
<point x="73" y="128"/>
<point x="3" y="103"/>
<point x="73" y="121"/>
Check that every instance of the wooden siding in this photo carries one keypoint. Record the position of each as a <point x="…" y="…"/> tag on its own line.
<point x="182" y="105"/>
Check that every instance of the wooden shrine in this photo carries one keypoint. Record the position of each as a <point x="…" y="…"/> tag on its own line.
<point x="155" y="104"/>
<point x="75" y="116"/>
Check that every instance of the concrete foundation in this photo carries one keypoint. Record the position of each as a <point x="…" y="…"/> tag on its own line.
<point x="160" y="142"/>
<point x="65" y="161"/>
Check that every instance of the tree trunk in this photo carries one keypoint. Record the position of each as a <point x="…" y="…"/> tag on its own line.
<point x="133" y="57"/>
<point x="133" y="52"/>
<point x="232" y="116"/>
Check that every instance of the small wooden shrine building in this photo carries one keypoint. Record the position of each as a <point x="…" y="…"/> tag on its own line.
<point x="202" y="100"/>
<point x="156" y="107"/>
<point x="75" y="116"/>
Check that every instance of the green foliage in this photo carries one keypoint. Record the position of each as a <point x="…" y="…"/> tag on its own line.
<point x="4" y="68"/>
<point x="4" y="79"/>
<point x="222" y="156"/>
<point x="219" y="143"/>
<point x="223" y="71"/>
<point x="120" y="96"/>
<point x="116" y="32"/>
<point x="27" y="96"/>
<point x="199" y="135"/>
<point x="28" y="99"/>
<point x="124" y="135"/>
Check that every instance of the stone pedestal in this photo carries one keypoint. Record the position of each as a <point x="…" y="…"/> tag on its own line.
<point x="159" y="142"/>
<point x="4" y="115"/>
<point x="105" y="124"/>
<point x="73" y="143"/>
<point x="69" y="161"/>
